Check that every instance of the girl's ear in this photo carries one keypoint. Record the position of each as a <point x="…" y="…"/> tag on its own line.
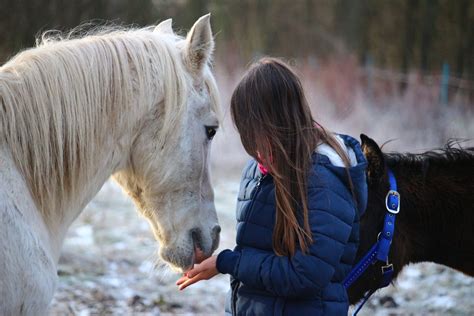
<point x="374" y="156"/>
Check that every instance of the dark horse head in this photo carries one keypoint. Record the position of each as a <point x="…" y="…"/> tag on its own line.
<point x="436" y="219"/>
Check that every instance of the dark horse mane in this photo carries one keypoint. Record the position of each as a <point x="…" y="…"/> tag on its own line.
<point x="437" y="209"/>
<point x="451" y="154"/>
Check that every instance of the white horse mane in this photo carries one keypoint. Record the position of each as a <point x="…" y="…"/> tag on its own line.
<point x="58" y="100"/>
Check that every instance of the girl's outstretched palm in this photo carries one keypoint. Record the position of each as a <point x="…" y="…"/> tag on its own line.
<point x="203" y="271"/>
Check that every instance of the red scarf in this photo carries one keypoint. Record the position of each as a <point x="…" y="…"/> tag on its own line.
<point x="262" y="168"/>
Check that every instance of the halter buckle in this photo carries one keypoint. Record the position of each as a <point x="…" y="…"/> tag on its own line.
<point x="387" y="274"/>
<point x="393" y="209"/>
<point x="387" y="268"/>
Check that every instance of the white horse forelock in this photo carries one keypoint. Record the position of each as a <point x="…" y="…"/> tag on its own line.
<point x="58" y="100"/>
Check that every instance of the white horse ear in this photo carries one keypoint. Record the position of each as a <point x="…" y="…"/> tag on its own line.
<point x="165" y="27"/>
<point x="199" y="44"/>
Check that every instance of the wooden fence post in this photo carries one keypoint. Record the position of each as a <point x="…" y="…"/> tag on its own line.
<point x="444" y="89"/>
<point x="369" y="71"/>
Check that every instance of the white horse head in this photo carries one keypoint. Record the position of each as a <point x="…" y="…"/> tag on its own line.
<point x="169" y="180"/>
<point x="139" y="104"/>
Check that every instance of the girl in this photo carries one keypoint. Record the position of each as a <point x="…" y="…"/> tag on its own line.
<point x="298" y="208"/>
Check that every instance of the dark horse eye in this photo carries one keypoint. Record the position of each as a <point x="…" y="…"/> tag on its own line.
<point x="210" y="132"/>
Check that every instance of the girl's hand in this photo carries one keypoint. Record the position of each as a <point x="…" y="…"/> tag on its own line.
<point x="203" y="271"/>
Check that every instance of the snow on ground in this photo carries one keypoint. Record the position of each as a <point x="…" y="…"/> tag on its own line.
<point x="424" y="289"/>
<point x="109" y="263"/>
<point x="109" y="266"/>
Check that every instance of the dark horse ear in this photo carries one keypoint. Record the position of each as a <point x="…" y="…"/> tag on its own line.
<point x="374" y="156"/>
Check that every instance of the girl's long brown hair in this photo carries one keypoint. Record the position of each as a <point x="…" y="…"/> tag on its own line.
<point x="274" y="121"/>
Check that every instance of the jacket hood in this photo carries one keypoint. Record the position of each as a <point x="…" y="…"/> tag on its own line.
<point x="328" y="157"/>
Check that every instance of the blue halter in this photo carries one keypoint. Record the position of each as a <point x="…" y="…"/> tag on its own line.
<point x="381" y="249"/>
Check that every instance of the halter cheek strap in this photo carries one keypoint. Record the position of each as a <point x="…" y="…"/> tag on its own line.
<point x="392" y="204"/>
<point x="380" y="250"/>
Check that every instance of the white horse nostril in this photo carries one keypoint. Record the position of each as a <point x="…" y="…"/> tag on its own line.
<point x="216" y="230"/>
<point x="197" y="238"/>
<point x="215" y="237"/>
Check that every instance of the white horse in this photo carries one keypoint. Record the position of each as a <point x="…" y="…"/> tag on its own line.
<point x="138" y="104"/>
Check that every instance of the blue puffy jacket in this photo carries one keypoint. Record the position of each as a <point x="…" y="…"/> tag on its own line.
<point x="263" y="283"/>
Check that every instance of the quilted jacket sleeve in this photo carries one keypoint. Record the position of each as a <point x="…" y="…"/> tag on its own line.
<point x="303" y="275"/>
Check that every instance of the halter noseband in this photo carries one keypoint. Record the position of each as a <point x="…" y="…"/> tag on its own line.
<point x="381" y="249"/>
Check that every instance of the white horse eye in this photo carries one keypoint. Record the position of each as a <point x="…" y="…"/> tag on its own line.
<point x="211" y="132"/>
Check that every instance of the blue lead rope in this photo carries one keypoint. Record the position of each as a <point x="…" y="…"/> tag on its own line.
<point x="381" y="249"/>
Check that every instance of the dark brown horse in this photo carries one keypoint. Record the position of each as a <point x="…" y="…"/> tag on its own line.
<point x="436" y="219"/>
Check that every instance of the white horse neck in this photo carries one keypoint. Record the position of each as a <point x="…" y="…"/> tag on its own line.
<point x="52" y="230"/>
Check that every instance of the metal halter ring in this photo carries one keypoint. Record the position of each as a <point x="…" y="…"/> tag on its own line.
<point x="390" y="210"/>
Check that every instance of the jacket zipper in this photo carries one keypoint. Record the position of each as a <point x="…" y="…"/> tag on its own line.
<point x="257" y="189"/>
<point x="254" y="195"/>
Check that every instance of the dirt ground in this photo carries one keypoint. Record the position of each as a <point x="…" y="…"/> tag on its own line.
<point x="109" y="266"/>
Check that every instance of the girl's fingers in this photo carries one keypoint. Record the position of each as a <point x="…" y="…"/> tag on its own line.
<point x="203" y="271"/>
<point x="190" y="281"/>
<point x="198" y="268"/>
<point x="181" y="280"/>
<point x="207" y="264"/>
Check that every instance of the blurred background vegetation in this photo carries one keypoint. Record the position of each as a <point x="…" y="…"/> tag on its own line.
<point x="361" y="61"/>
<point x="396" y="34"/>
